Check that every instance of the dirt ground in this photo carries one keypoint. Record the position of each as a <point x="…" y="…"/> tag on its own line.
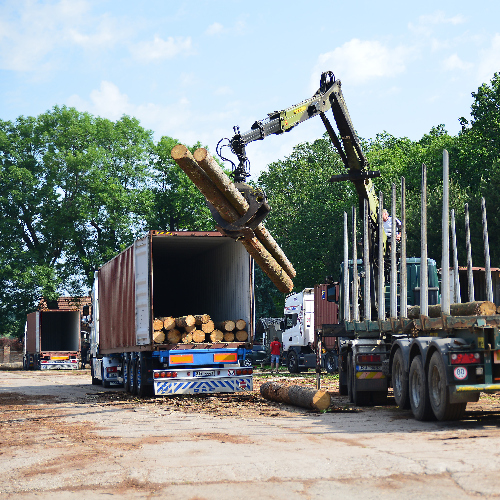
<point x="59" y="435"/>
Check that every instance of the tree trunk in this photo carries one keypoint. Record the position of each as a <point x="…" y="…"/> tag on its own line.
<point x="227" y="326"/>
<point x="173" y="336"/>
<point x="254" y="247"/>
<point x="201" y="319"/>
<point x="198" y="336"/>
<point x="168" y="323"/>
<point x="158" y="336"/>
<point x="241" y="324"/>
<point x="296" y="395"/>
<point x="216" y="336"/>
<point x="184" y="321"/>
<point x="241" y="335"/>
<point x="207" y="327"/>
<point x="228" y="337"/>
<point x="157" y="324"/>
<point x="238" y="201"/>
<point x="477" y="308"/>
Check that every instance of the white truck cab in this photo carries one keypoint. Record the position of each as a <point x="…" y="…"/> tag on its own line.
<point x="299" y="319"/>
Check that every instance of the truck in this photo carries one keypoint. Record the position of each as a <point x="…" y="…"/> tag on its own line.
<point x="53" y="334"/>
<point x="311" y="323"/>
<point x="172" y="274"/>
<point x="437" y="356"/>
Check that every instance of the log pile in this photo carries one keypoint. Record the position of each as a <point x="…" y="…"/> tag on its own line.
<point x="218" y="189"/>
<point x="296" y="395"/>
<point x="197" y="329"/>
<point x="477" y="308"/>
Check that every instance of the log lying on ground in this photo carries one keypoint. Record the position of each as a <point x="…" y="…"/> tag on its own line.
<point x="212" y="193"/>
<point x="226" y="326"/>
<point x="477" y="308"/>
<point x="296" y="395"/>
<point x="238" y="201"/>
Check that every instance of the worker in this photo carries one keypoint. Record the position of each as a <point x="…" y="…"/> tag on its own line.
<point x="387" y="223"/>
<point x="275" y="353"/>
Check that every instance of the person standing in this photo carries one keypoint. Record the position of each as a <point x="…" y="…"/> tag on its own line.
<point x="275" y="353"/>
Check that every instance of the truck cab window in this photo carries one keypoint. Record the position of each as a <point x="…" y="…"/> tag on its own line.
<point x="290" y="320"/>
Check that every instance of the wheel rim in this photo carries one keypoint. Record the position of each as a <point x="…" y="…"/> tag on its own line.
<point x="416" y="389"/>
<point x="436" y="387"/>
<point x="292" y="361"/>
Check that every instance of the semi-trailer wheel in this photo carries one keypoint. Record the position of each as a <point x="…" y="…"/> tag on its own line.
<point x="400" y="381"/>
<point x="292" y="362"/>
<point x="105" y="383"/>
<point x="438" y="392"/>
<point x="330" y="363"/>
<point x="419" y="391"/>
<point x="343" y="390"/>
<point x="95" y="380"/>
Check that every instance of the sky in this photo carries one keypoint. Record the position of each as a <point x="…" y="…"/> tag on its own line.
<point x="192" y="70"/>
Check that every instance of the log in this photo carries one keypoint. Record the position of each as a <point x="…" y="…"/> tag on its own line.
<point x="296" y="395"/>
<point x="241" y="335"/>
<point x="169" y="323"/>
<point x="253" y="246"/>
<point x="207" y="327"/>
<point x="158" y="336"/>
<point x="476" y="308"/>
<point x="157" y="324"/>
<point x="202" y="319"/>
<point x="240" y="324"/>
<point x="173" y="336"/>
<point x="228" y="337"/>
<point x="238" y="201"/>
<point x="216" y="336"/>
<point x="198" y="336"/>
<point x="189" y="329"/>
<point x="184" y="321"/>
<point x="226" y="326"/>
<point x="186" y="337"/>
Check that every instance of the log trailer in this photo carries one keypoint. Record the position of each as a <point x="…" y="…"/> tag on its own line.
<point x="172" y="274"/>
<point x="436" y="365"/>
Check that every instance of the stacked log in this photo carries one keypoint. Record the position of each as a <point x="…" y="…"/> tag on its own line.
<point x="477" y="308"/>
<point x="225" y="201"/>
<point x="197" y="329"/>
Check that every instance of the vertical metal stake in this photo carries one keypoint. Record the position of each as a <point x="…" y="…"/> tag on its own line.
<point x="470" y="275"/>
<point x="381" y="282"/>
<point x="445" y="260"/>
<point x="394" y="270"/>
<point x="487" y="267"/>
<point x="366" y="264"/>
<point x="456" y="277"/>
<point x="355" y="290"/>
<point x="424" y="294"/>
<point x="403" y="302"/>
<point x="347" y="315"/>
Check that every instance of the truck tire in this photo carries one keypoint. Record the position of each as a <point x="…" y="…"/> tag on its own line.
<point x="95" y="380"/>
<point x="105" y="383"/>
<point x="342" y="379"/>
<point x="292" y="362"/>
<point x="419" y="391"/>
<point x="143" y="390"/>
<point x="400" y="381"/>
<point x="438" y="392"/>
<point x="330" y="363"/>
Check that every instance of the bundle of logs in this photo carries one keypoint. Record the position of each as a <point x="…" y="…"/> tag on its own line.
<point x="198" y="329"/>
<point x="223" y="195"/>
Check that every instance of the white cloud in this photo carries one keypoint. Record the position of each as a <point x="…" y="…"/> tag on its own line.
<point x="161" y="49"/>
<point x="489" y="62"/>
<point x="454" y="62"/>
<point x="360" y="61"/>
<point x="214" y="29"/>
<point x="439" y="17"/>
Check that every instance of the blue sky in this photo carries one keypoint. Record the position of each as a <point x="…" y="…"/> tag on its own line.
<point x="192" y="70"/>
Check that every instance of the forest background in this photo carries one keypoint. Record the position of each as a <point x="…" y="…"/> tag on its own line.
<point x="76" y="189"/>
